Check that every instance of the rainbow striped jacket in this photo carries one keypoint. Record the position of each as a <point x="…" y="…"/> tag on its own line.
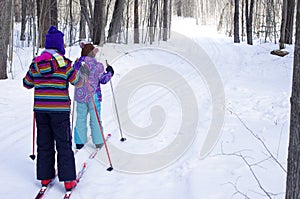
<point x="50" y="74"/>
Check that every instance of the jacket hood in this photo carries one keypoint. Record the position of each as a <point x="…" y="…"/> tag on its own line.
<point x="44" y="63"/>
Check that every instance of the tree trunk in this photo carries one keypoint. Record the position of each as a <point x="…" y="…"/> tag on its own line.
<point x="34" y="28"/>
<point x="17" y="10"/>
<point x="86" y="18"/>
<point x="151" y="22"/>
<point x="99" y="22"/>
<point x="283" y="24"/>
<point x="293" y="171"/>
<point x="243" y="20"/>
<point x="82" y="24"/>
<point x="11" y="38"/>
<point x="202" y="12"/>
<point x="236" y="21"/>
<point x="136" y="22"/>
<point x="45" y="20"/>
<point x="170" y="17"/>
<point x="179" y="8"/>
<point x="71" y="22"/>
<point x="23" y="20"/>
<point x="38" y="14"/>
<point x="165" y="21"/>
<point x="197" y="12"/>
<point x="107" y="11"/>
<point x="290" y="22"/>
<point x="127" y="21"/>
<point x="274" y="10"/>
<point x="268" y="20"/>
<point x="153" y="19"/>
<point x="249" y="18"/>
<point x="116" y="22"/>
<point x="54" y="13"/>
<point x="5" y="20"/>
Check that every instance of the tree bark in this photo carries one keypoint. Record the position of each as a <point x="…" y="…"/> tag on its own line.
<point x="236" y="21"/>
<point x="23" y="20"/>
<point x="136" y="22"/>
<point x="268" y="20"/>
<point x="116" y="22"/>
<point x="293" y="171"/>
<point x="86" y="17"/>
<point x="127" y="21"/>
<point x="290" y="22"/>
<point x="5" y="20"/>
<point x="153" y="16"/>
<point x="165" y="21"/>
<point x="179" y="8"/>
<point x="45" y="10"/>
<point x="249" y="19"/>
<point x="283" y="24"/>
<point x="71" y="22"/>
<point x="170" y="16"/>
<point x="99" y="22"/>
<point x="243" y="20"/>
<point x="44" y="21"/>
<point x="82" y="24"/>
<point x="17" y="10"/>
<point x="54" y="13"/>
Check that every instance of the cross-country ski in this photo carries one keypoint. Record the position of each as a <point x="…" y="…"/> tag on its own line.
<point x="78" y="178"/>
<point x="94" y="153"/>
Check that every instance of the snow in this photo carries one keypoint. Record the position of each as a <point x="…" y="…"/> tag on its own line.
<point x="178" y="144"/>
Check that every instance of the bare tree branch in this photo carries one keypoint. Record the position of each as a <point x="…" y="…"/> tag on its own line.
<point x="259" y="139"/>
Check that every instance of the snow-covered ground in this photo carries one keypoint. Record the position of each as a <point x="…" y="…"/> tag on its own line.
<point x="177" y="100"/>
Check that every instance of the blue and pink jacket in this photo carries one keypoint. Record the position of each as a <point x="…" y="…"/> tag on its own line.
<point x="97" y="76"/>
<point x="49" y="74"/>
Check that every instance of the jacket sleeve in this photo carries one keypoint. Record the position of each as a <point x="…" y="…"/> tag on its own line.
<point x="105" y="77"/>
<point x="28" y="81"/>
<point x="74" y="77"/>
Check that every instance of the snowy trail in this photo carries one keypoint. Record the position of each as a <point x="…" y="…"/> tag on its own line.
<point x="257" y="89"/>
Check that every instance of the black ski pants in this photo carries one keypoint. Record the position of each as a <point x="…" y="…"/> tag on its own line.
<point x="53" y="131"/>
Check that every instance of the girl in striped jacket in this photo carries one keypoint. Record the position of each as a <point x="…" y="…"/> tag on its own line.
<point x="50" y="74"/>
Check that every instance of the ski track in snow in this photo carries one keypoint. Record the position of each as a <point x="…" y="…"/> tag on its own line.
<point x="257" y="89"/>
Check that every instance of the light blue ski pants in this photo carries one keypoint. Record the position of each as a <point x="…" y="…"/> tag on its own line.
<point x="80" y="131"/>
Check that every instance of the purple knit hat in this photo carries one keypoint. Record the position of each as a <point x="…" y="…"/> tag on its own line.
<point x="55" y="40"/>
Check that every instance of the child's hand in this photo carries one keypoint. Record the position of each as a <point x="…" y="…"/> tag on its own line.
<point x="110" y="69"/>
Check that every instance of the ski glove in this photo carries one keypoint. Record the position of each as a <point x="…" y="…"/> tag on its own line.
<point x="84" y="70"/>
<point x="110" y="69"/>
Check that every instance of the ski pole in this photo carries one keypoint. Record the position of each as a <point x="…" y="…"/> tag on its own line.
<point x="99" y="122"/>
<point x="114" y="99"/>
<point x="32" y="156"/>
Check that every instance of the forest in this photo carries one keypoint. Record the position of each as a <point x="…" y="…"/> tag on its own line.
<point x="102" y="21"/>
<point x="112" y="21"/>
<point x="147" y="21"/>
